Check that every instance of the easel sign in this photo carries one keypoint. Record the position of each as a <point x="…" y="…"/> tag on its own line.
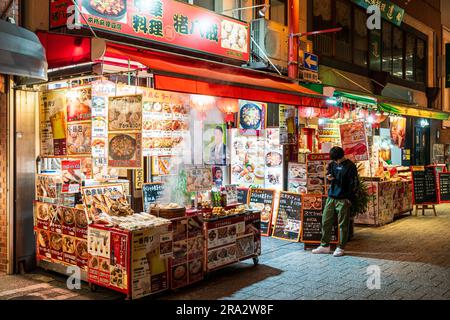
<point x="424" y="186"/>
<point x="263" y="199"/>
<point x="151" y="193"/>
<point x="311" y="217"/>
<point x="242" y="194"/>
<point x="288" y="218"/>
<point x="444" y="187"/>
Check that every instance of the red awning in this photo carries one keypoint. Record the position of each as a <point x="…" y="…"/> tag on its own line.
<point x="65" y="50"/>
<point x="189" y="75"/>
<point x="173" y="72"/>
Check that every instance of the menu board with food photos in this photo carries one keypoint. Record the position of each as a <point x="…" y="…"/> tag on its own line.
<point x="288" y="220"/>
<point x="311" y="217"/>
<point x="273" y="160"/>
<point x="61" y="234"/>
<point x="354" y="141"/>
<point x="444" y="187"/>
<point x="424" y="185"/>
<point x="48" y="187"/>
<point x="263" y="200"/>
<point x="198" y="179"/>
<point x="165" y="125"/>
<point x="125" y="113"/>
<point x="188" y="249"/>
<point x="125" y="150"/>
<point x="297" y="177"/>
<point x="317" y="164"/>
<point x="109" y="262"/>
<point x="232" y="239"/>
<point x="151" y="193"/>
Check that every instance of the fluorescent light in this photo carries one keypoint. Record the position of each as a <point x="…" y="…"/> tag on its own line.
<point x="332" y="101"/>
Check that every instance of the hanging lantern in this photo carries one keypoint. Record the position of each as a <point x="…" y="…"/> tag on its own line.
<point x="308" y="112"/>
<point x="329" y="112"/>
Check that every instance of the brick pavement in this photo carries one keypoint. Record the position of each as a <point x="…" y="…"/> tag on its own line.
<point x="411" y="254"/>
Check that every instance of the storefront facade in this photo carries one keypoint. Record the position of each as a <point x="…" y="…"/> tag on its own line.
<point x="396" y="64"/>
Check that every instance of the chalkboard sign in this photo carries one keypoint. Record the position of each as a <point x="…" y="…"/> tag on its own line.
<point x="243" y="195"/>
<point x="287" y="222"/>
<point x="424" y="185"/>
<point x="311" y="217"/>
<point x="151" y="193"/>
<point x="263" y="199"/>
<point x="444" y="187"/>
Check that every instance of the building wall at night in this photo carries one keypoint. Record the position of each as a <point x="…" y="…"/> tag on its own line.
<point x="10" y="8"/>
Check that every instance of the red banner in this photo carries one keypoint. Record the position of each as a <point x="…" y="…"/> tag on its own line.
<point x="170" y="22"/>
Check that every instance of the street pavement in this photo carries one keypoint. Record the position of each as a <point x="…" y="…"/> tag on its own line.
<point x="411" y="257"/>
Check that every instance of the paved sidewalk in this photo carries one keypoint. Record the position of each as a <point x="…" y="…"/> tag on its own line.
<point x="411" y="253"/>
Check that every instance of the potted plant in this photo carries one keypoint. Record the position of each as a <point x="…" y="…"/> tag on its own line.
<point x="359" y="205"/>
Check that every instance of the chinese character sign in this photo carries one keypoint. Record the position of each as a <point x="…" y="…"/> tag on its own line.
<point x="170" y="22"/>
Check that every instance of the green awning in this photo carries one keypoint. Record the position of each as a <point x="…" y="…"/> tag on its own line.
<point x="357" y="98"/>
<point x="413" y="111"/>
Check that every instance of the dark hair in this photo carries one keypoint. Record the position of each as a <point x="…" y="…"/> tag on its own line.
<point x="336" y="153"/>
<point x="218" y="169"/>
<point x="219" y="128"/>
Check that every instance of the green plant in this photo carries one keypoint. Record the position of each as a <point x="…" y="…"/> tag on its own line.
<point x="360" y="203"/>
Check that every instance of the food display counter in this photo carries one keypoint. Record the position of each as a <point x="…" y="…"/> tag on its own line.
<point x="388" y="199"/>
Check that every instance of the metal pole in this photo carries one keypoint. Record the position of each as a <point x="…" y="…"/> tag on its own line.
<point x="294" y="27"/>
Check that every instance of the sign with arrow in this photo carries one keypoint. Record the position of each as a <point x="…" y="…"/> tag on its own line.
<point x="311" y="62"/>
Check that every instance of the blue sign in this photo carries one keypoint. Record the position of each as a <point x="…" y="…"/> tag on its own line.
<point x="311" y="62"/>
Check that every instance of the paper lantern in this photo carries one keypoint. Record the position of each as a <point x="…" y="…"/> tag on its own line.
<point x="226" y="105"/>
<point x="308" y="112"/>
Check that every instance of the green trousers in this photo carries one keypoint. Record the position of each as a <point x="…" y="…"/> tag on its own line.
<point x="342" y="209"/>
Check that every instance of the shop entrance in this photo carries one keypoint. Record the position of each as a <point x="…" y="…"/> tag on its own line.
<point x="421" y="142"/>
<point x="24" y="180"/>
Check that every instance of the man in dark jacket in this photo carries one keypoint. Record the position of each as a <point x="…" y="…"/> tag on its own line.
<point x="343" y="177"/>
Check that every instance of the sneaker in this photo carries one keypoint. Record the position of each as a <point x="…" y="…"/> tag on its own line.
<point x="321" y="250"/>
<point x="338" y="252"/>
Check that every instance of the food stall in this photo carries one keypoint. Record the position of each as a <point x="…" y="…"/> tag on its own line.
<point x="167" y="230"/>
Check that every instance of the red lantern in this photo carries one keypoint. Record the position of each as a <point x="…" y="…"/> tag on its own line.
<point x="329" y="112"/>
<point x="308" y="112"/>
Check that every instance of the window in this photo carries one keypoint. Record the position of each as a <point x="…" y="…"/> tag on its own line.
<point x="323" y="19"/>
<point x="400" y="51"/>
<point x="397" y="53"/>
<point x="360" y="39"/>
<point x="387" y="46"/>
<point x="207" y="4"/>
<point x="344" y="37"/>
<point x="278" y="11"/>
<point x="421" y="63"/>
<point x="409" y="57"/>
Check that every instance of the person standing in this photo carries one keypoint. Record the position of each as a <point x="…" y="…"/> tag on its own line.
<point x="343" y="177"/>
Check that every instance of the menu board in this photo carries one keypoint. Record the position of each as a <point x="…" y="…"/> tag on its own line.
<point x="61" y="234"/>
<point x="273" y="160"/>
<point x="252" y="118"/>
<point x="48" y="187"/>
<point x="247" y="160"/>
<point x="311" y="217"/>
<point x="71" y="175"/>
<point x="329" y="133"/>
<point x="444" y="187"/>
<point x="150" y="250"/>
<point x="287" y="222"/>
<point x="125" y="150"/>
<point x="165" y="123"/>
<point x="151" y="193"/>
<point x="231" y="195"/>
<point x="354" y="141"/>
<point x="104" y="200"/>
<point x="297" y="178"/>
<point x="188" y="250"/>
<point x="242" y="194"/>
<point x="125" y="113"/>
<point x="424" y="185"/>
<point x="263" y="199"/>
<point x="316" y="174"/>
<point x="53" y="124"/>
<point x="109" y="252"/>
<point x="198" y="179"/>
